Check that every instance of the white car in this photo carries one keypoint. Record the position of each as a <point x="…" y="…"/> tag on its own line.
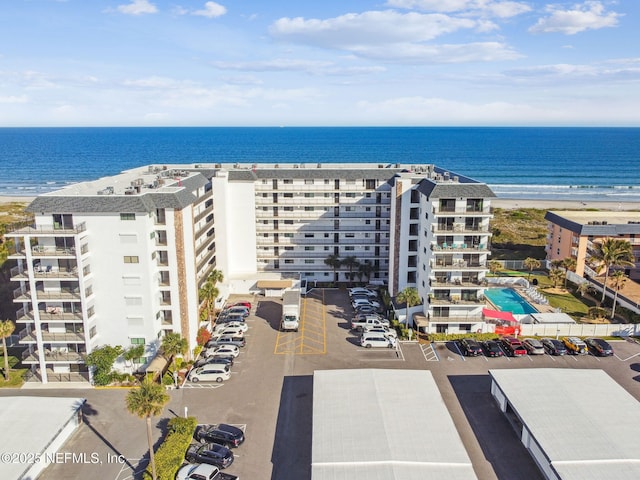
<point x="227" y="330"/>
<point x="211" y="372"/>
<point x="369" y="340"/>
<point x="362" y="301"/>
<point x="222" y="351"/>
<point x="197" y="471"/>
<point x="389" y="332"/>
<point x="223" y="326"/>
<point x="362" y="291"/>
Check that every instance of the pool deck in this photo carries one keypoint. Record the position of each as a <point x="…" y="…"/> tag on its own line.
<point x="538" y="306"/>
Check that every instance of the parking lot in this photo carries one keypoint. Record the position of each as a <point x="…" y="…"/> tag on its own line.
<point x="270" y="393"/>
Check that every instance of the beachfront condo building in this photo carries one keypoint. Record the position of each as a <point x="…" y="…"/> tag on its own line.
<point x="574" y="233"/>
<point x="120" y="260"/>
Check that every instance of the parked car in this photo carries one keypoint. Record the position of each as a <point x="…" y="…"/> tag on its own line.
<point x="358" y="317"/>
<point x="217" y="359"/>
<point x="240" y="310"/>
<point x="513" y="346"/>
<point x="369" y="340"/>
<point x="533" y="346"/>
<point x="221" y="433"/>
<point x="241" y="304"/>
<point x="239" y="325"/>
<point x="220" y="340"/>
<point x="222" y="351"/>
<point x="365" y="309"/>
<point x="492" y="348"/>
<point x="575" y="345"/>
<point x="553" y="347"/>
<point x="390" y="332"/>
<point x="211" y="453"/>
<point x="211" y="372"/>
<point x="364" y="301"/>
<point x="230" y="317"/>
<point x="202" y="471"/>
<point x="362" y="291"/>
<point x="599" y="347"/>
<point x="226" y="329"/>
<point x="470" y="347"/>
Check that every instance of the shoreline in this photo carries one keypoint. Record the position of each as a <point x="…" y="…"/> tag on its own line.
<point x="496" y="202"/>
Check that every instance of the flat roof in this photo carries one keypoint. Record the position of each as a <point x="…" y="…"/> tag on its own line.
<point x="597" y="223"/>
<point x="375" y="424"/>
<point x="274" y="284"/>
<point x="29" y="424"/>
<point x="585" y="423"/>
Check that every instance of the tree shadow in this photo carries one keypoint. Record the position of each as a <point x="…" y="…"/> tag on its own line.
<point x="87" y="412"/>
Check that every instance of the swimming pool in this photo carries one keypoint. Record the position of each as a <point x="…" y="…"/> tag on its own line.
<point x="508" y="300"/>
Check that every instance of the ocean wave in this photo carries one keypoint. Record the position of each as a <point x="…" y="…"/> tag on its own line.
<point x="564" y="187"/>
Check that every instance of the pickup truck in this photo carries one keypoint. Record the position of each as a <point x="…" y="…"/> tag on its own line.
<point x="203" y="471"/>
<point x="360" y="323"/>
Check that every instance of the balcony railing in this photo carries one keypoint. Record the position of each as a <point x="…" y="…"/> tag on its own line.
<point x="43" y="251"/>
<point x="62" y="294"/>
<point x="458" y="247"/>
<point x="27" y="336"/>
<point x="49" y="229"/>
<point x="52" y="356"/>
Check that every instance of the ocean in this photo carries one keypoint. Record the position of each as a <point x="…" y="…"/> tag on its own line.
<point x="585" y="164"/>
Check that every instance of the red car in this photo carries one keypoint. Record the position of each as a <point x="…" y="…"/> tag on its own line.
<point x="241" y="304"/>
<point x="513" y="346"/>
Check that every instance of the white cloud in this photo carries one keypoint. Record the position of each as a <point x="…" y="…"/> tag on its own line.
<point x="313" y="67"/>
<point x="137" y="7"/>
<point x="610" y="71"/>
<point x="14" y="99"/>
<point x="211" y="10"/>
<point x="414" y="53"/>
<point x="590" y="15"/>
<point x="501" y="9"/>
<point x="368" y="28"/>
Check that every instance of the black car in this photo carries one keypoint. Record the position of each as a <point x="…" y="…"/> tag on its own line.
<point x="211" y="453"/>
<point x="553" y="347"/>
<point x="491" y="348"/>
<point x="470" y="347"/>
<point x="222" y="434"/>
<point x="203" y="361"/>
<point x="599" y="347"/>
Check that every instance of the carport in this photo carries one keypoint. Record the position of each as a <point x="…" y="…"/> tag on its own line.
<point x="576" y="424"/>
<point x="34" y="428"/>
<point x="383" y="424"/>
<point x="273" y="288"/>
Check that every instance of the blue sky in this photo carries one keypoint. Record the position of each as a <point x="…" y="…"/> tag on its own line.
<point x="281" y="62"/>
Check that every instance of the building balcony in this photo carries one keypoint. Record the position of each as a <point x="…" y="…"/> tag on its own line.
<point x="460" y="228"/>
<point x="50" y="315"/>
<point x="458" y="265"/>
<point x="43" y="251"/>
<point x="462" y="212"/>
<point x="64" y="294"/>
<point x="459" y="247"/>
<point x="457" y="283"/>
<point x="455" y="300"/>
<point x="48" y="230"/>
<point x="28" y="336"/>
<point x="52" y="356"/>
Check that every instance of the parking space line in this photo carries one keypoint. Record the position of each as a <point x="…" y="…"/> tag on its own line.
<point x="433" y="357"/>
<point x="311" y="339"/>
<point x="625" y="359"/>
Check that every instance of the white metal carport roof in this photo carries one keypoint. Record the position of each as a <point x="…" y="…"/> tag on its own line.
<point x="30" y="425"/>
<point x="586" y="424"/>
<point x="383" y="425"/>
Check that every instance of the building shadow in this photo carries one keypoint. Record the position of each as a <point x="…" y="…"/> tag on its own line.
<point x="291" y="455"/>
<point x="498" y="440"/>
<point x="271" y="312"/>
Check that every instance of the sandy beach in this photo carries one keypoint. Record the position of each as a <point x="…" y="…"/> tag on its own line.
<point x="507" y="203"/>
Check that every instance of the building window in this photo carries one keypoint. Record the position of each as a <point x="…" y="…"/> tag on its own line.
<point x="349" y="249"/>
<point x="288" y="195"/>
<point x="288" y="222"/>
<point x="308" y="181"/>
<point x="309" y="261"/>
<point x="350" y="195"/>
<point x="137" y="341"/>
<point x="288" y="235"/>
<point x="127" y="216"/>
<point x="309" y="195"/>
<point x="287" y="181"/>
<point x="370" y="184"/>
<point x="92" y="332"/>
<point x="131" y="259"/>
<point x="288" y="260"/>
<point x="308" y="209"/>
<point x="308" y="248"/>
<point x="349" y="235"/>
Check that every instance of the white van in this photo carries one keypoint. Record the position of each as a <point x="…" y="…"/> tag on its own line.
<point x="211" y="372"/>
<point x="371" y="339"/>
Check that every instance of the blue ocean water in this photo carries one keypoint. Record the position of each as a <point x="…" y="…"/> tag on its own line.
<point x="554" y="163"/>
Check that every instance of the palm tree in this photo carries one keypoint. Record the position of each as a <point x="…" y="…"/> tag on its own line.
<point x="174" y="344"/>
<point x="618" y="279"/>
<point x="585" y="288"/>
<point x="215" y="276"/>
<point x="612" y="252"/>
<point x="147" y="401"/>
<point x="556" y="276"/>
<point x="410" y="297"/>
<point x="6" y="329"/>
<point x="350" y="262"/>
<point x="366" y="269"/>
<point x="334" y="262"/>
<point x="569" y="264"/>
<point x="208" y="294"/>
<point x="531" y="264"/>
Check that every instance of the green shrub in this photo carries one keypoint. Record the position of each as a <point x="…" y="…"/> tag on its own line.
<point x="445" y="337"/>
<point x="170" y="455"/>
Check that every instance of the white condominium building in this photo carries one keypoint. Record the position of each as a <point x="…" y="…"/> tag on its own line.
<point x="120" y="260"/>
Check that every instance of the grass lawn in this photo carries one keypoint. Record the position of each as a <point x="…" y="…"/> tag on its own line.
<point x="570" y="303"/>
<point x="15" y="376"/>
